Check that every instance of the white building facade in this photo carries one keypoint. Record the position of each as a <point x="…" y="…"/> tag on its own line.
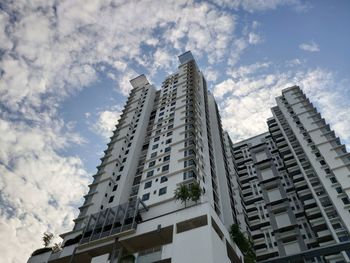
<point x="164" y="139"/>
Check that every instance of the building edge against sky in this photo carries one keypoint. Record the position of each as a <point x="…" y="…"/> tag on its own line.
<point x="288" y="189"/>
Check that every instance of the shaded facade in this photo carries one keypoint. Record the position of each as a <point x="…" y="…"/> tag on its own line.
<point x="293" y="185"/>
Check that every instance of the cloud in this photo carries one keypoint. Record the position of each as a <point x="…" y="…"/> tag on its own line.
<point x="106" y="121"/>
<point x="211" y="74"/>
<point x="311" y="47"/>
<point x="262" y="5"/>
<point x="254" y="38"/>
<point x="40" y="189"/>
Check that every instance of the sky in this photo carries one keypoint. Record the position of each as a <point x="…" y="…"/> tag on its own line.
<point x="65" y="68"/>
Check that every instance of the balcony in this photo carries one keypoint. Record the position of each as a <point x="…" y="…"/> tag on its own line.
<point x="113" y="221"/>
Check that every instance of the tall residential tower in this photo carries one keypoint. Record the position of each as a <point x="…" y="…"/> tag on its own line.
<point x="164" y="139"/>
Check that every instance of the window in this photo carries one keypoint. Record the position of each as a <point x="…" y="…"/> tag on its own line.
<point x="346" y="200"/>
<point x="127" y="151"/>
<point x="158" y="131"/>
<point x="121" y="168"/>
<point x="156" y="139"/>
<point x="189" y="174"/>
<point x="111" y="199"/>
<point x="145" y="197"/>
<point x="169" y="134"/>
<point x="124" y="160"/>
<point x="161" y="113"/>
<point x="162" y="191"/>
<point x="170" y="126"/>
<point x="168" y="141"/>
<point x="165" y="168"/>
<point x="151" y="164"/>
<point x="163" y="179"/>
<point x="333" y="180"/>
<point x="129" y="144"/>
<point x="167" y="149"/>
<point x="148" y="185"/>
<point x="166" y="158"/>
<point x="189" y="162"/>
<point x="118" y="178"/>
<point x="154" y="154"/>
<point x="339" y="190"/>
<point x="114" y="188"/>
<point x="155" y="146"/>
<point x="150" y="173"/>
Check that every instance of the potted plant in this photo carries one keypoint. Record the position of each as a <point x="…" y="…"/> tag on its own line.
<point x="195" y="192"/>
<point x="245" y="245"/>
<point x="182" y="193"/>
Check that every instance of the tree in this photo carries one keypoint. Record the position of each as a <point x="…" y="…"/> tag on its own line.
<point x="182" y="193"/>
<point x="195" y="192"/>
<point x="47" y="238"/>
<point x="245" y="245"/>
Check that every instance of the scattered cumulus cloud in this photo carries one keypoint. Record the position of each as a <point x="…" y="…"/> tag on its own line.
<point x="311" y="47"/>
<point x="40" y="189"/>
<point x="262" y="5"/>
<point x="254" y="38"/>
<point x="106" y="121"/>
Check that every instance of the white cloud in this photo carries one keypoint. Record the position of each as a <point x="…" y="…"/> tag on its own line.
<point x="262" y="5"/>
<point x="311" y="47"/>
<point x="211" y="74"/>
<point x="106" y="122"/>
<point x="40" y="189"/>
<point x="254" y="38"/>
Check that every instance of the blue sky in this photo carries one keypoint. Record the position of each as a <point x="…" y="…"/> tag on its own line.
<point x="64" y="75"/>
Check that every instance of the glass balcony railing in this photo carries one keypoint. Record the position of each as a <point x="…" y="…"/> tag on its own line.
<point x="112" y="221"/>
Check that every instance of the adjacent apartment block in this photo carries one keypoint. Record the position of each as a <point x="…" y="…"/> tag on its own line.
<point x="293" y="185"/>
<point x="288" y="189"/>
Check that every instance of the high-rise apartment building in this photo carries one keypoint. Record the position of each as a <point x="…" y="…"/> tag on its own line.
<point x="293" y="182"/>
<point x="287" y="189"/>
<point x="164" y="139"/>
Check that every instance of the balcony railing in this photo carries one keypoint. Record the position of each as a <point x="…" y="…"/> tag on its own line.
<point x="113" y="221"/>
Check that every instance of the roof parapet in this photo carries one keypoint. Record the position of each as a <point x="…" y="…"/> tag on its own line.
<point x="186" y="57"/>
<point x="139" y="81"/>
